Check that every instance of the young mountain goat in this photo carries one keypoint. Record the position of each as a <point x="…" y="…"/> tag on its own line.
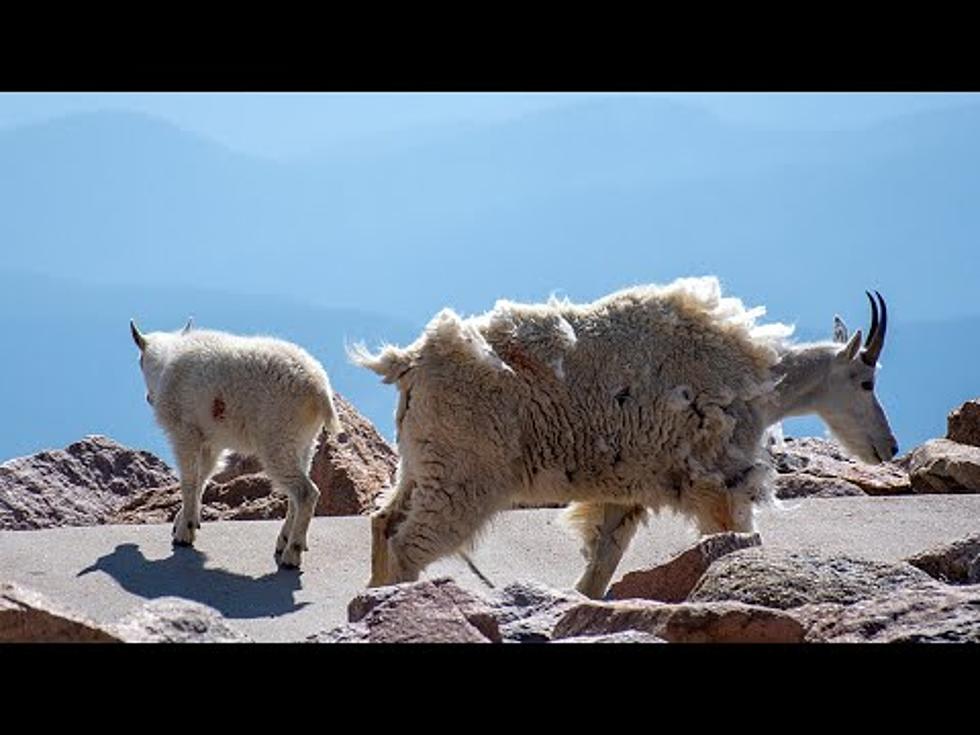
<point x="650" y="398"/>
<point x="212" y="391"/>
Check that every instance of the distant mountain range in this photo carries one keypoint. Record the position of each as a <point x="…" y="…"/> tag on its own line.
<point x="126" y="215"/>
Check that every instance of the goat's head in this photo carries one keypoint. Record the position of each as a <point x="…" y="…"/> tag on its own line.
<point x="154" y="348"/>
<point x="850" y="407"/>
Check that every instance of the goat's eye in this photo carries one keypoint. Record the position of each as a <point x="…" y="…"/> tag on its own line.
<point x="868" y="385"/>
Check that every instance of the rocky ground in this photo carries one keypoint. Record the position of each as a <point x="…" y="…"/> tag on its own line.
<point x="724" y="588"/>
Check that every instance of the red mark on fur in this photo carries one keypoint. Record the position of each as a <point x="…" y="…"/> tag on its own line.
<point x="218" y="409"/>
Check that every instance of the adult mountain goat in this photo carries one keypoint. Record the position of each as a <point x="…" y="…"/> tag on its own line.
<point x="213" y="391"/>
<point x="653" y="397"/>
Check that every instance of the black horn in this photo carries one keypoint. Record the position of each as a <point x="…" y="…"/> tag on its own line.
<point x="876" y="336"/>
<point x="138" y="338"/>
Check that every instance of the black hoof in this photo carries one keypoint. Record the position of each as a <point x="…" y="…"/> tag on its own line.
<point x="184" y="544"/>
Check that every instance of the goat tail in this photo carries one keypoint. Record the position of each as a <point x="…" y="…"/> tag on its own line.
<point x="390" y="363"/>
<point x="331" y="419"/>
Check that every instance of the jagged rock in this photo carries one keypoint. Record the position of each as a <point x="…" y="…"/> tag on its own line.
<point x="176" y="620"/>
<point x="811" y="467"/>
<point x="944" y="466"/>
<point x="712" y="622"/>
<point x="954" y="563"/>
<point x="351" y="470"/>
<point x="940" y="615"/>
<point x="29" y="617"/>
<point x="674" y="580"/>
<point x="81" y="485"/>
<point x="787" y="579"/>
<point x="527" y="611"/>
<point x="430" y="611"/>
<point x="963" y="424"/>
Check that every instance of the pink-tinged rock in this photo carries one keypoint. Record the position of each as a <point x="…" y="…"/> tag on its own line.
<point x="820" y="468"/>
<point x="944" y="466"/>
<point x="29" y="617"/>
<point x="84" y="484"/>
<point x="430" y="611"/>
<point x="353" y="468"/>
<point x="963" y="424"/>
<point x="941" y="615"/>
<point x="714" y="622"/>
<point x="957" y="562"/>
<point x="674" y="580"/>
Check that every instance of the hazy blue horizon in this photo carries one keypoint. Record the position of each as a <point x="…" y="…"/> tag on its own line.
<point x="324" y="218"/>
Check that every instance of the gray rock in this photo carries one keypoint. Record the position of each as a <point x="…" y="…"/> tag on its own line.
<point x="712" y="622"/>
<point x="786" y="579"/>
<point x="527" y="611"/>
<point x="812" y="467"/>
<point x="944" y="466"/>
<point x="954" y="563"/>
<point x="963" y="424"/>
<point x="176" y="620"/>
<point x="81" y="485"/>
<point x="940" y="615"/>
<point x="674" y="580"/>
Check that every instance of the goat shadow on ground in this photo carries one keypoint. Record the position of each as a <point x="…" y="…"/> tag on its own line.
<point x="183" y="574"/>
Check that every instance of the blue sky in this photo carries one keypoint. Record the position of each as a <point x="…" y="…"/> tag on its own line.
<point x="331" y="218"/>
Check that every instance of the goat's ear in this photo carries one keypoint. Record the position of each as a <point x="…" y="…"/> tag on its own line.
<point x="840" y="330"/>
<point x="138" y="338"/>
<point x="849" y="350"/>
<point x="187" y="327"/>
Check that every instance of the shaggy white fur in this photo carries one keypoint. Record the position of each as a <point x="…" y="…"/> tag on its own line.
<point x="653" y="397"/>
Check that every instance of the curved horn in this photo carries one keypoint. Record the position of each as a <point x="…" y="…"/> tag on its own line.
<point x="874" y="319"/>
<point x="876" y="338"/>
<point x="138" y="338"/>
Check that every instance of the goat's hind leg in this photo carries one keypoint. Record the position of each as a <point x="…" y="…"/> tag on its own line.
<point x="303" y="497"/>
<point x="607" y="530"/>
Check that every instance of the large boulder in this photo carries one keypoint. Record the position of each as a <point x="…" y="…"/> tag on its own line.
<point x="812" y="467"/>
<point x="84" y="484"/>
<point x="963" y="424"/>
<point x="783" y="579"/>
<point x="944" y="466"/>
<point x="674" y="580"/>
